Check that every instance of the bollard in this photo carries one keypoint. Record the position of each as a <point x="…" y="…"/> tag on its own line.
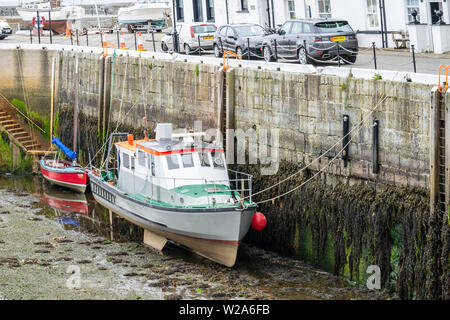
<point x="345" y="139"/>
<point x="76" y="33"/>
<point x="375" y="166"/>
<point x="87" y="38"/>
<point x="248" y="48"/>
<point x="153" y="40"/>
<point x="414" y="58"/>
<point x="71" y="38"/>
<point x="39" y="28"/>
<point x="374" y="55"/>
<point x="31" y="35"/>
<point x="50" y="26"/>
<point x="118" y="39"/>
<point x="338" y="54"/>
<point x="276" y="52"/>
<point x="101" y="38"/>
<point x="199" y="48"/>
<point x="135" y="41"/>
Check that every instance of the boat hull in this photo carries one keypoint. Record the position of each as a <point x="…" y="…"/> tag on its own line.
<point x="74" y="178"/>
<point x="214" y="233"/>
<point x="140" y="15"/>
<point x="59" y="17"/>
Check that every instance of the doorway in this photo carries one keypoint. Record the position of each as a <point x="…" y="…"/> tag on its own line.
<point x="435" y="6"/>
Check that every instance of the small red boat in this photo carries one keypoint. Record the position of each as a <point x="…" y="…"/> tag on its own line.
<point x="65" y="174"/>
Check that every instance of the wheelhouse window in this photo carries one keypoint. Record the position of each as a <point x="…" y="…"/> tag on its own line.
<point x="188" y="161"/>
<point x="151" y="164"/>
<point x="210" y="10"/>
<point x="324" y="9"/>
<point x="218" y="159"/>
<point x="125" y="161"/>
<point x="141" y="158"/>
<point x="291" y="9"/>
<point x="172" y="161"/>
<point x="412" y="5"/>
<point x="204" y="159"/>
<point x="372" y="13"/>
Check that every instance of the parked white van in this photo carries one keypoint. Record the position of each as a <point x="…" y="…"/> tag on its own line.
<point x="5" y="29"/>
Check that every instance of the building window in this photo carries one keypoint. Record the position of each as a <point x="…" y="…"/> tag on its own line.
<point x="198" y="10"/>
<point x="372" y="13"/>
<point x="210" y="10"/>
<point x="412" y="5"/>
<point x="324" y="9"/>
<point x="180" y="10"/>
<point x="244" y="5"/>
<point x="291" y="9"/>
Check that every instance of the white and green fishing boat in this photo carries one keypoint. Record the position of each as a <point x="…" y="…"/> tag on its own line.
<point x="179" y="188"/>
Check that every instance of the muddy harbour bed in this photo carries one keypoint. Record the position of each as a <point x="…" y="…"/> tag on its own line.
<point x="55" y="244"/>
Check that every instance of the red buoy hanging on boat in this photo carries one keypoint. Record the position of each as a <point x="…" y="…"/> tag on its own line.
<point x="259" y="221"/>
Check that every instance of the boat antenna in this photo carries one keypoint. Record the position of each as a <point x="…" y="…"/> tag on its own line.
<point x="145" y="128"/>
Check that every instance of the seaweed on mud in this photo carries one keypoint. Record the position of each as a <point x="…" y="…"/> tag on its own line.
<point x="388" y="226"/>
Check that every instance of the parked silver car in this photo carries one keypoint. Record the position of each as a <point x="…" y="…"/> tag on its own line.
<point x="310" y="40"/>
<point x="190" y="36"/>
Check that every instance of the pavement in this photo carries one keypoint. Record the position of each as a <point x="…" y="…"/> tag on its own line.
<point x="386" y="59"/>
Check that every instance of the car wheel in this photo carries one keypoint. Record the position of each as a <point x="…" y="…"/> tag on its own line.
<point x="217" y="52"/>
<point x="187" y="49"/>
<point x="350" y="60"/>
<point x="164" y="47"/>
<point x="303" y="56"/>
<point x="2" y="37"/>
<point x="267" y="55"/>
<point x="239" y="51"/>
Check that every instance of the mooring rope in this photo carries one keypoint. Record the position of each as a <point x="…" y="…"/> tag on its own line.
<point x="358" y="126"/>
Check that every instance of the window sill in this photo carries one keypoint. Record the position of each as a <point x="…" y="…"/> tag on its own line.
<point x="242" y="11"/>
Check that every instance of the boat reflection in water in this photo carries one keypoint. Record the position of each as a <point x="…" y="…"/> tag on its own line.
<point x="80" y="212"/>
<point x="64" y="200"/>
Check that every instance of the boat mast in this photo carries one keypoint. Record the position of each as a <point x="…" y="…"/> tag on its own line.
<point x="52" y="89"/>
<point x="75" y="109"/>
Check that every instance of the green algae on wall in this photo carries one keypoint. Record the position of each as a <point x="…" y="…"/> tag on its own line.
<point x="41" y="121"/>
<point x="24" y="163"/>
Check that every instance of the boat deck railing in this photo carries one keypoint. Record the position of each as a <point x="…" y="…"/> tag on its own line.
<point x="239" y="183"/>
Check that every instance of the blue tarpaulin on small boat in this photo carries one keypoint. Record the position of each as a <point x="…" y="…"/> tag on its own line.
<point x="71" y="154"/>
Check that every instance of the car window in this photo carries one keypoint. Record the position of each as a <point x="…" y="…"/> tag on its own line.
<point x="296" y="28"/>
<point x="307" y="28"/>
<point x="286" y="27"/>
<point x="230" y="32"/>
<point x="333" y="27"/>
<point x="251" y="30"/>
<point x="223" y="31"/>
<point x="205" y="28"/>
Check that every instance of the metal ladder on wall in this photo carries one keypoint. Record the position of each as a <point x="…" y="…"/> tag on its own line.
<point x="441" y="155"/>
<point x="223" y="124"/>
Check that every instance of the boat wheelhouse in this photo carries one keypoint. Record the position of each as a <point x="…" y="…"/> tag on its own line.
<point x="178" y="188"/>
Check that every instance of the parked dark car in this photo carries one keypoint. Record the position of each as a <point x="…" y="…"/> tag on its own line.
<point x="321" y="38"/>
<point x="237" y="38"/>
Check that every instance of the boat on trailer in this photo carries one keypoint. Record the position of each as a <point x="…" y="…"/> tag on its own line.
<point x="178" y="189"/>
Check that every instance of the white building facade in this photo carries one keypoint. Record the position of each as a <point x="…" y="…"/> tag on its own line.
<point x="365" y="16"/>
